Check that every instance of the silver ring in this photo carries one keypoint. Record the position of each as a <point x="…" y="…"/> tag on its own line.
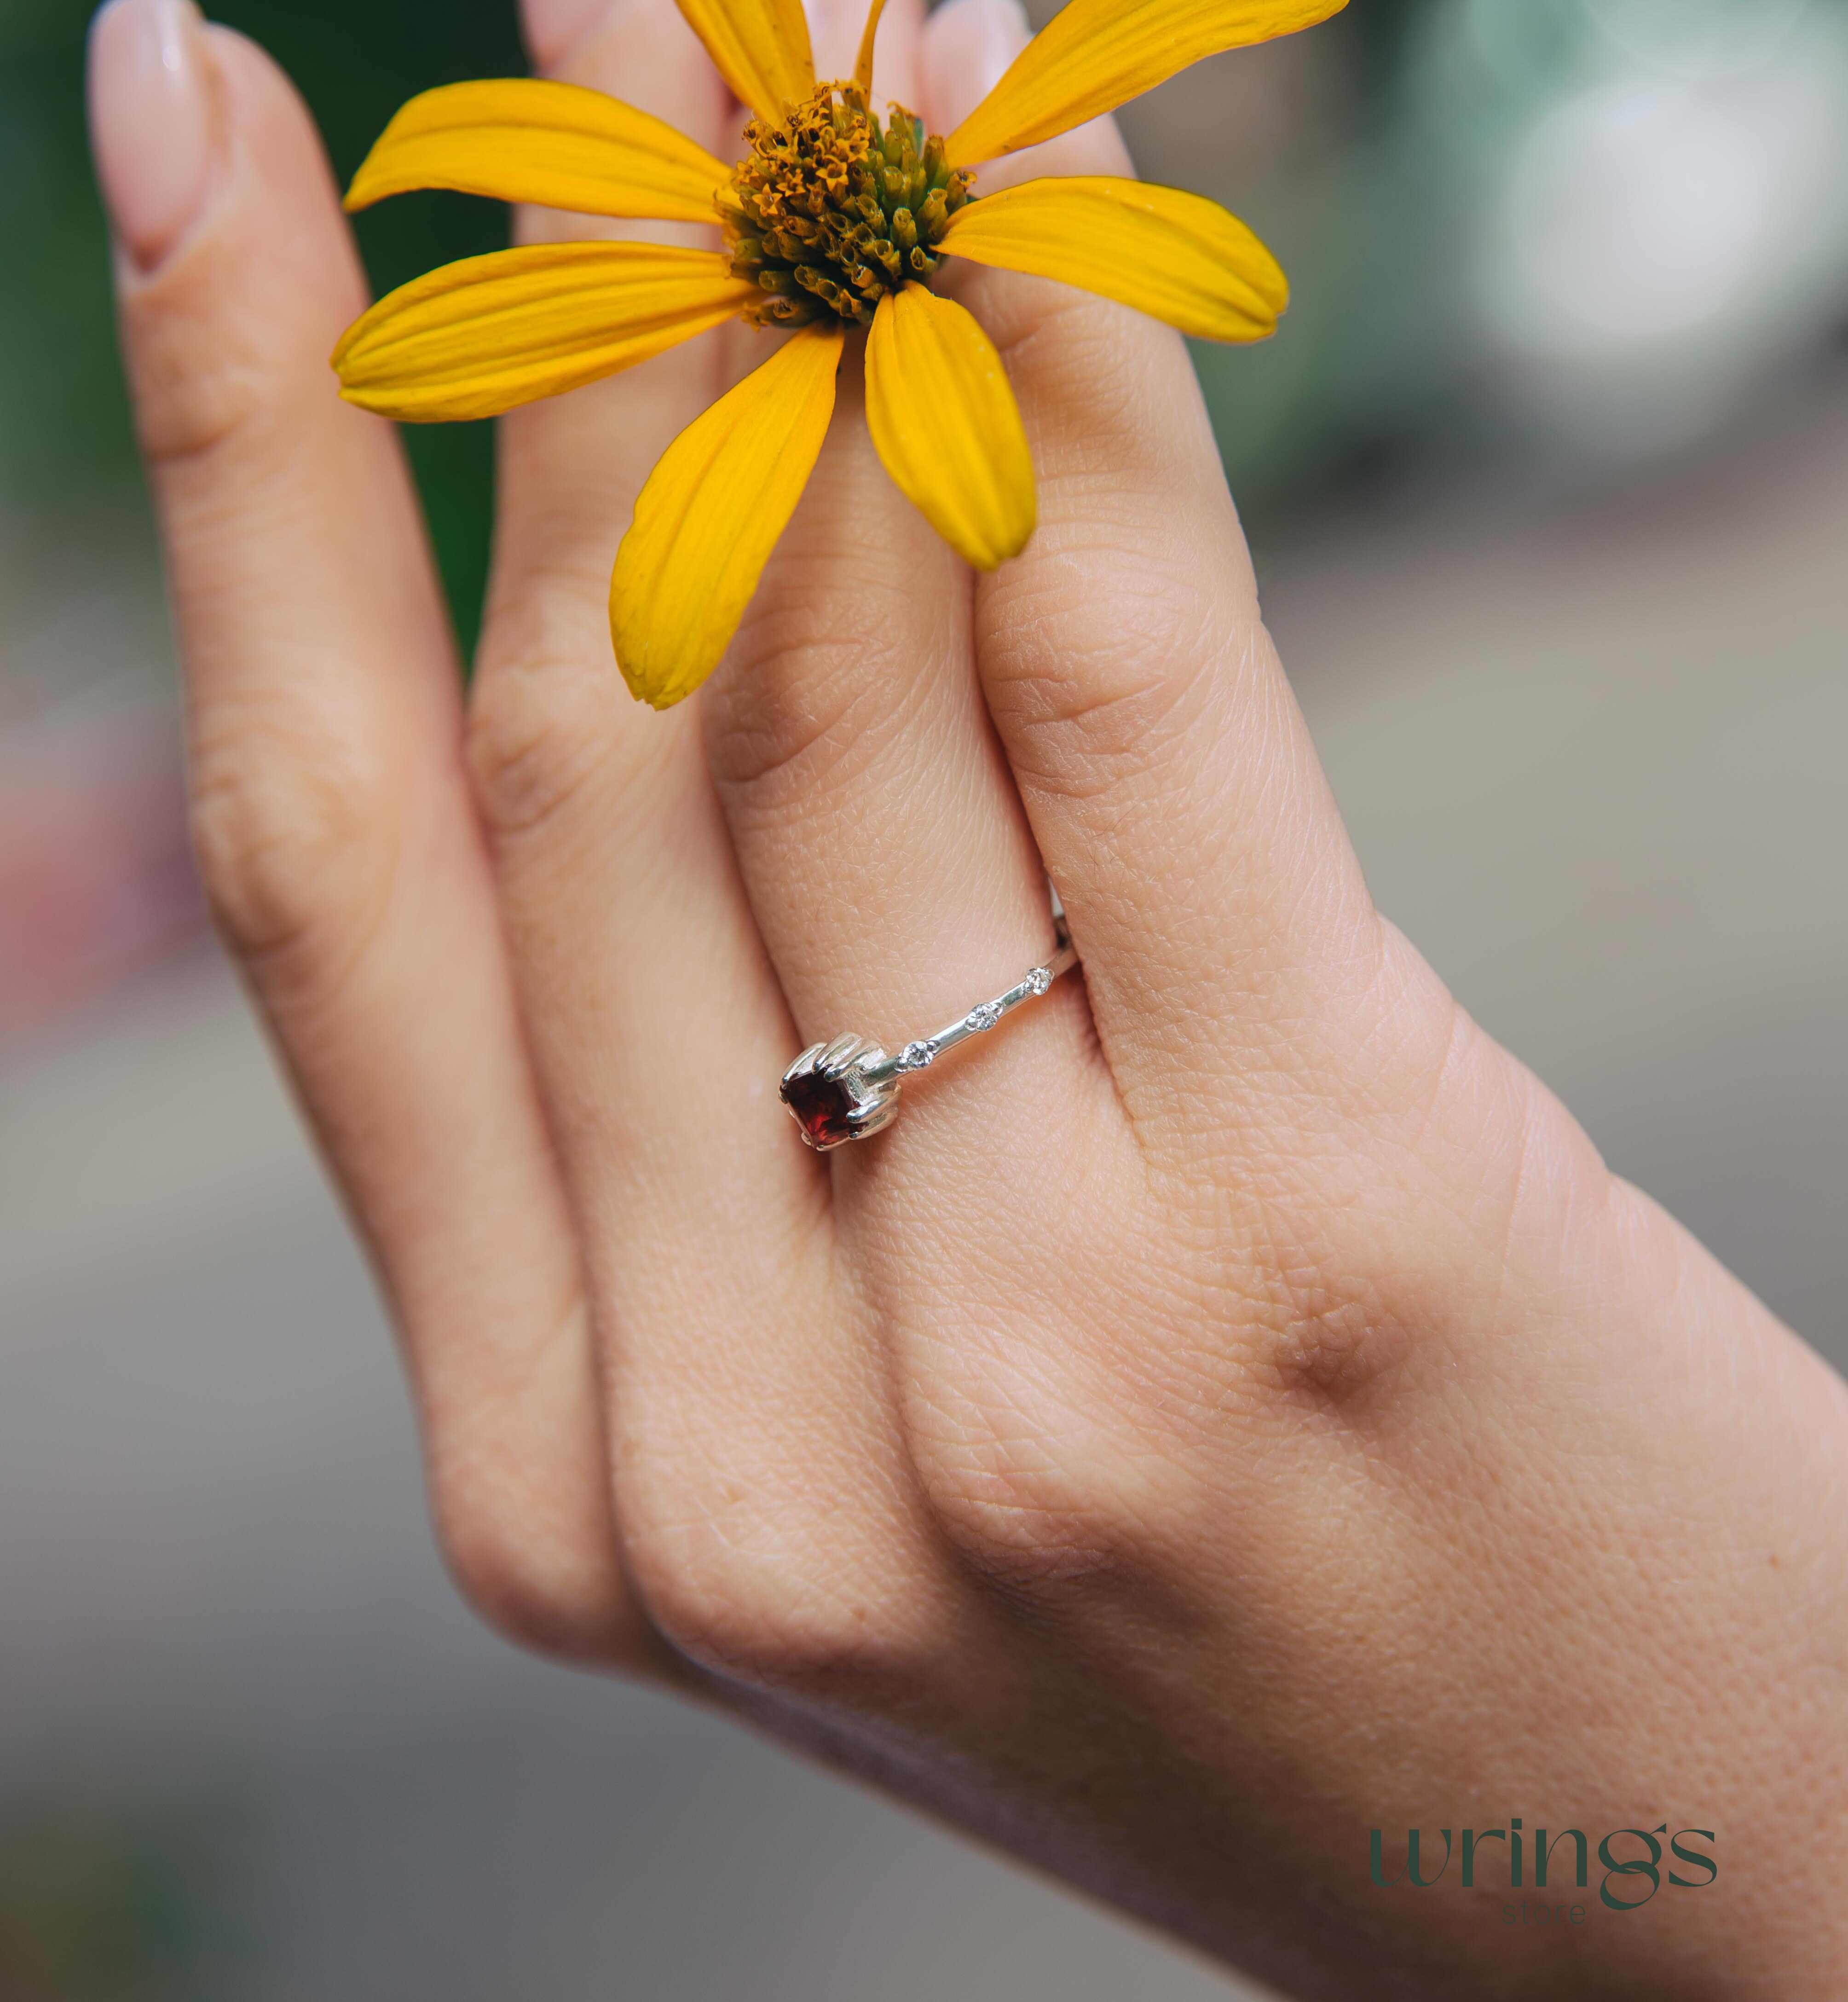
<point x="848" y="1089"/>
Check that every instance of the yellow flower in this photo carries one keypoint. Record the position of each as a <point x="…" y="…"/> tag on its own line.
<point x="831" y="222"/>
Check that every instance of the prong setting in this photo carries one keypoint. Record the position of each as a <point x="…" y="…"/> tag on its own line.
<point x="848" y="1089"/>
<point x="832" y="1100"/>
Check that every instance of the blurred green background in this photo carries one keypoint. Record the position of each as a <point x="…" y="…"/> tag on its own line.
<point x="65" y="445"/>
<point x="1385" y="156"/>
<point x="65" y="448"/>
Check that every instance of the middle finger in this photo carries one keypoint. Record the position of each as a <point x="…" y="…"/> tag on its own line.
<point x="888" y="862"/>
<point x="747" y="1420"/>
<point x="652" y="1009"/>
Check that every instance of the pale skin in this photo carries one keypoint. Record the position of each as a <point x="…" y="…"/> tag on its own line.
<point x="1235" y="1407"/>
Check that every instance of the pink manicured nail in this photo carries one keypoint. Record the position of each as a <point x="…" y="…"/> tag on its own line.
<point x="834" y="31"/>
<point x="967" y="45"/>
<point x="1005" y="32"/>
<point x="554" y="27"/>
<point x="150" y="120"/>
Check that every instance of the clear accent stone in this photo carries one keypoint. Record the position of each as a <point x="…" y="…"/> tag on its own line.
<point x="983" y="1018"/>
<point x="1040" y="979"/>
<point x="915" y="1056"/>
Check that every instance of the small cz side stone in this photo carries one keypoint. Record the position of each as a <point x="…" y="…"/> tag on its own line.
<point x="848" y="1090"/>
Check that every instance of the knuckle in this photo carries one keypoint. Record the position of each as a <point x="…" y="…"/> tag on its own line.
<point x="745" y="1628"/>
<point x="1317" y="1323"/>
<point x="296" y="837"/>
<point x="525" y="764"/>
<point x="184" y="413"/>
<point x="764" y="729"/>
<point x="538" y="723"/>
<point x="527" y="1535"/>
<point x="761" y="1592"/>
<point x="821" y="684"/>
<point x="536" y="1590"/>
<point x="185" y="417"/>
<point x="1081" y="707"/>
<point x="1025" y="1509"/>
<point x="1033" y="1539"/>
<point x="1331" y="1349"/>
<point x="210" y="369"/>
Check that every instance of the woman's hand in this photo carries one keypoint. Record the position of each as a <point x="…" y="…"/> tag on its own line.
<point x="1234" y="1409"/>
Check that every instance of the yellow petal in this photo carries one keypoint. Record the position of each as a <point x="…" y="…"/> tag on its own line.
<point x="710" y="514"/>
<point x="1177" y="257"/>
<point x="1093" y="55"/>
<point x="862" y="66"/>
<point x="475" y="338"/>
<point x="525" y="140"/>
<point x="759" y="47"/>
<point x="946" y="423"/>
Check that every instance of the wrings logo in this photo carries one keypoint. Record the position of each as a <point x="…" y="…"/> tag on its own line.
<point x="1630" y="1879"/>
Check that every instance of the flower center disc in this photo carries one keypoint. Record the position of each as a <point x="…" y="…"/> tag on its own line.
<point x="831" y="211"/>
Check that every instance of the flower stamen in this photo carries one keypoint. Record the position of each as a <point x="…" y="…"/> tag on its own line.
<point x="830" y="210"/>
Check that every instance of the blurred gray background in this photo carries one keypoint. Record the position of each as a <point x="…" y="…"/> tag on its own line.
<point x="1547" y="477"/>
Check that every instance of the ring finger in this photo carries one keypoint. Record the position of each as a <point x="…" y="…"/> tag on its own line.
<point x="890" y="868"/>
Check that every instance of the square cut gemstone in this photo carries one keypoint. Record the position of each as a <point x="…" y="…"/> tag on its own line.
<point x="821" y="1105"/>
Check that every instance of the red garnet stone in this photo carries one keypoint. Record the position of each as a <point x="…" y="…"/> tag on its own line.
<point x="821" y="1105"/>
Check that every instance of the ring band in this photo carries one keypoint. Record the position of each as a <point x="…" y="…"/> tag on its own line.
<point x="848" y="1089"/>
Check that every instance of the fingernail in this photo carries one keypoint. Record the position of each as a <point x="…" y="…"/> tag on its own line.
<point x="1005" y="31"/>
<point x="968" y="45"/>
<point x="834" y="34"/>
<point x="555" y="27"/>
<point x="150" y="120"/>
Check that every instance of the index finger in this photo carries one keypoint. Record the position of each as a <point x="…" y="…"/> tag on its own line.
<point x="330" y="805"/>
